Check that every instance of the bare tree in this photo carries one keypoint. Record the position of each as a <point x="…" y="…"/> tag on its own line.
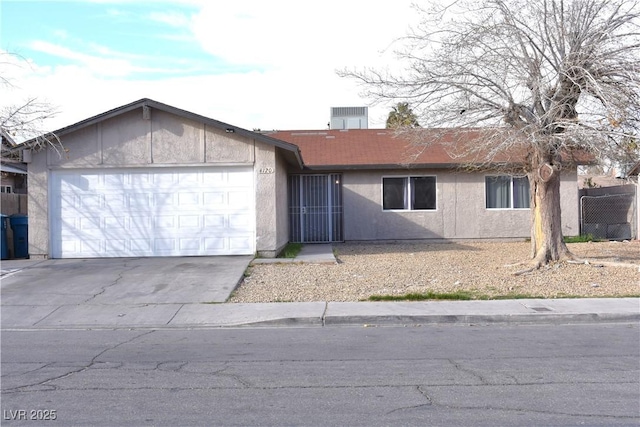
<point x="550" y="80"/>
<point x="25" y="121"/>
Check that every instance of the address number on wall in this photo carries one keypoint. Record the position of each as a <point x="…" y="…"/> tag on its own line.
<point x="266" y="170"/>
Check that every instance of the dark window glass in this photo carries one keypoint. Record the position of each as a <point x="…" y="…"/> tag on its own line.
<point x="423" y="192"/>
<point x="393" y="191"/>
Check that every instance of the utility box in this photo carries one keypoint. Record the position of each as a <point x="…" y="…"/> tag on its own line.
<point x="349" y="118"/>
<point x="4" y="246"/>
<point x="19" y="226"/>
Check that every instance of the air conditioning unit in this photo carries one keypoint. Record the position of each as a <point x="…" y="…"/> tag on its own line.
<point x="349" y="118"/>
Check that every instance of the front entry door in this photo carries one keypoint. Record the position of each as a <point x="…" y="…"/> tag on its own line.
<point x="315" y="208"/>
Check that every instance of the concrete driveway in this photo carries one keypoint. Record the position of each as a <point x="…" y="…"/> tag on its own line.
<point x="39" y="291"/>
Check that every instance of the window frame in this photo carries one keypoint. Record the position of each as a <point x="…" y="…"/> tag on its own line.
<point x="407" y="188"/>
<point x="511" y="193"/>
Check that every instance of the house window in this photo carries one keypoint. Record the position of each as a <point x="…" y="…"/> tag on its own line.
<point x="6" y="189"/>
<point x="409" y="193"/>
<point x="507" y="192"/>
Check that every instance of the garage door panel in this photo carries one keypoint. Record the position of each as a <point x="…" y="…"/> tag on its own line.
<point x="215" y="179"/>
<point x="141" y="245"/>
<point x="141" y="180"/>
<point x="188" y="199"/>
<point x="116" y="246"/>
<point x="138" y="201"/>
<point x="114" y="181"/>
<point x="89" y="224"/>
<point x="162" y="213"/>
<point x="239" y="179"/>
<point x="239" y="200"/>
<point x="115" y="202"/>
<point x="91" y="246"/>
<point x="189" y="221"/>
<point x="214" y="221"/>
<point x="115" y="224"/>
<point x="239" y="243"/>
<point x="239" y="221"/>
<point x="161" y="200"/>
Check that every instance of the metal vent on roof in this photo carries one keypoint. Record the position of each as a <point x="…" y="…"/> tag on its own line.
<point x="348" y="111"/>
<point x="349" y="118"/>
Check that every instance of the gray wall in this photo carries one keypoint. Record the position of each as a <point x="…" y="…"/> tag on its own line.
<point x="282" y="207"/>
<point x="460" y="213"/>
<point x="128" y="140"/>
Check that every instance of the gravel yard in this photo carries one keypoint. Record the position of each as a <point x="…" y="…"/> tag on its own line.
<point x="366" y="269"/>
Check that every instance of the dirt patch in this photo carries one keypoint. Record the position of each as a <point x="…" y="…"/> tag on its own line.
<point x="401" y="268"/>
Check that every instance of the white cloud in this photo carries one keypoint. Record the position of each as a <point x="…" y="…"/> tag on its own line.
<point x="293" y="48"/>
<point x="281" y="32"/>
<point x="173" y="19"/>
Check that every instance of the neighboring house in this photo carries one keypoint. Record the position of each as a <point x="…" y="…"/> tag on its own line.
<point x="13" y="177"/>
<point x="148" y="179"/>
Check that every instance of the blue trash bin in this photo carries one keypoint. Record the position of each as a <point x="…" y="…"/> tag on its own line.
<point x="20" y="235"/>
<point x="4" y="245"/>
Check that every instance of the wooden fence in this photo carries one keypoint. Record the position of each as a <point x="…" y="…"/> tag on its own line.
<point x="11" y="203"/>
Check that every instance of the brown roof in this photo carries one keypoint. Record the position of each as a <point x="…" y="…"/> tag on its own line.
<point x="363" y="148"/>
<point x="385" y="148"/>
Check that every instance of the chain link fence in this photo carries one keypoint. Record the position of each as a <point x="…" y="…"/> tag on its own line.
<point x="610" y="216"/>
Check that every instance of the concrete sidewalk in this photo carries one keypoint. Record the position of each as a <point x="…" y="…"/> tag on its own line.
<point x="318" y="314"/>
<point x="108" y="310"/>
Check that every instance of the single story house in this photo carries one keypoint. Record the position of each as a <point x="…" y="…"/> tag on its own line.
<point x="149" y="179"/>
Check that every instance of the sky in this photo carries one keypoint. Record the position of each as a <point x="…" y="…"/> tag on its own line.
<point x="255" y="64"/>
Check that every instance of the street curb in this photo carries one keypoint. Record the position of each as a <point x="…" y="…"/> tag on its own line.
<point x="321" y="314"/>
<point x="366" y="321"/>
<point x="480" y="319"/>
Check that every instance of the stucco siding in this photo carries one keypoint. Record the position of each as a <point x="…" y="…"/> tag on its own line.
<point x="460" y="212"/>
<point x="176" y="140"/>
<point x="222" y="147"/>
<point x="570" y="203"/>
<point x="38" y="206"/>
<point x="265" y="182"/>
<point x="124" y="140"/>
<point x="80" y="150"/>
<point x="282" y="208"/>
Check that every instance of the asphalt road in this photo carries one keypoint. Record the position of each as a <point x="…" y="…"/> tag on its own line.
<point x="587" y="374"/>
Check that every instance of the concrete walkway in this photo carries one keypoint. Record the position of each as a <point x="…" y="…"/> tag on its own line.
<point x="64" y="313"/>
<point x="320" y="253"/>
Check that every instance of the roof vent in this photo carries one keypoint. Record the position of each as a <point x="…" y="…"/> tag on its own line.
<point x="349" y="118"/>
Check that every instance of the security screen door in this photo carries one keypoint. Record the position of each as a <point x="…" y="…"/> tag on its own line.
<point x="315" y="208"/>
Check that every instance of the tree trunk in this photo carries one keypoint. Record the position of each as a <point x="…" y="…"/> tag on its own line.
<point x="547" y="243"/>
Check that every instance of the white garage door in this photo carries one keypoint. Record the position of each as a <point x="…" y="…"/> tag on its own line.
<point x="152" y="212"/>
